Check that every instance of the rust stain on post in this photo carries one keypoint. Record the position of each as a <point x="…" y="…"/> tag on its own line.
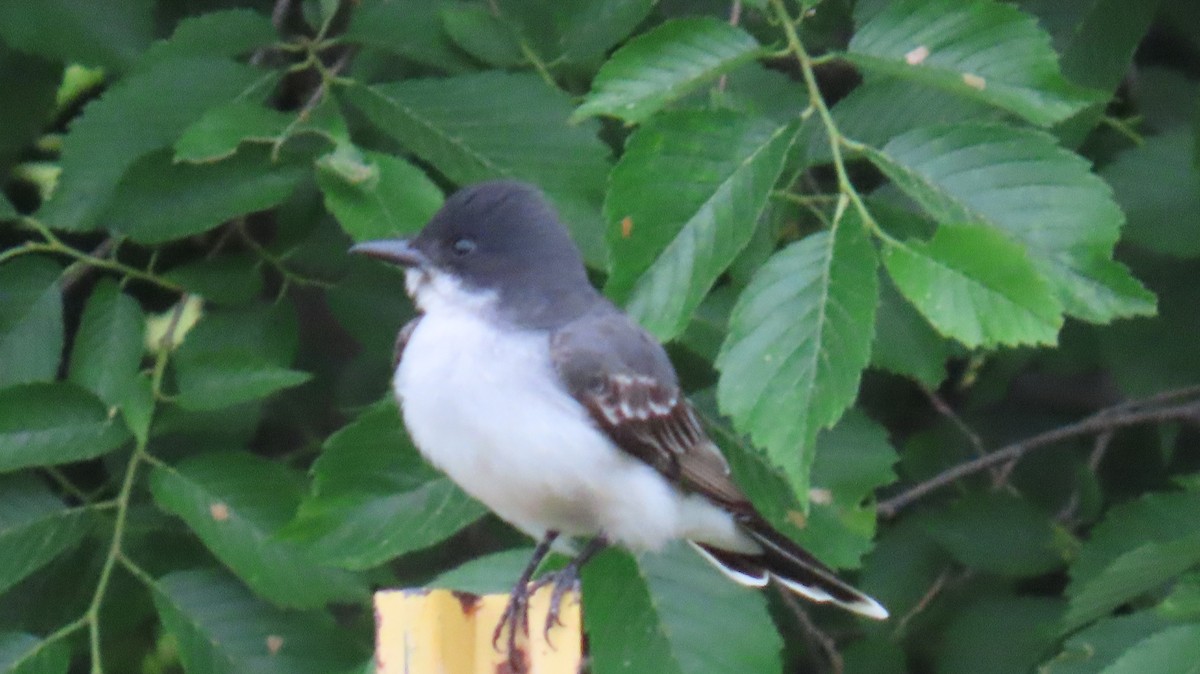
<point x="444" y="632"/>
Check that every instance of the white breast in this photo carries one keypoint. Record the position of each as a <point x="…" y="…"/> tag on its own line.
<point x="483" y="404"/>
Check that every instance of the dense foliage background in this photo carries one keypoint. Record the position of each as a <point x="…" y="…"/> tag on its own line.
<point x="878" y="236"/>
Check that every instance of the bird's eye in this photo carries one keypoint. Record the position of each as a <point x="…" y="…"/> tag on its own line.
<point x="463" y="246"/>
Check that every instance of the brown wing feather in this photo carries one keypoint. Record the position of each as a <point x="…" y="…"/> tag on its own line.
<point x="656" y="424"/>
<point x="624" y="379"/>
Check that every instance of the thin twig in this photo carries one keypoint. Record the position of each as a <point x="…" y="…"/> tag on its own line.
<point x="735" y="17"/>
<point x="65" y="484"/>
<point x="1109" y="419"/>
<point x="943" y="408"/>
<point x="279" y="12"/>
<point x="79" y="269"/>
<point x="814" y="634"/>
<point x="934" y="589"/>
<point x="837" y="141"/>
<point x="1099" y="448"/>
<point x="54" y="245"/>
<point x="123" y="501"/>
<point x="114" y="550"/>
<point x="327" y="75"/>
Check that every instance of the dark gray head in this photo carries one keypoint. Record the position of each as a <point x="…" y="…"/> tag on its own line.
<point x="498" y="237"/>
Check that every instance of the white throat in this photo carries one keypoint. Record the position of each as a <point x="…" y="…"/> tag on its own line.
<point x="435" y="292"/>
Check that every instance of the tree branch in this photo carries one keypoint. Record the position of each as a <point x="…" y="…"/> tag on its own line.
<point x="815" y="635"/>
<point x="1159" y="408"/>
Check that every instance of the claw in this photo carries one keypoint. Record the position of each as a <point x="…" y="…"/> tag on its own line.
<point x="564" y="581"/>
<point x="516" y="612"/>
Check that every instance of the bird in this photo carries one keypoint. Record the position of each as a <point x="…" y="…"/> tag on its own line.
<point x="544" y="401"/>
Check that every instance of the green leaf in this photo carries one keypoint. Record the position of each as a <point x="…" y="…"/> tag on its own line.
<point x="757" y="91"/>
<point x="978" y="49"/>
<point x="226" y="279"/>
<point x="719" y="168"/>
<point x="1196" y="140"/>
<point x="254" y="334"/>
<point x="143" y="112"/>
<point x="35" y="527"/>
<point x="367" y="303"/>
<point x="1172" y="360"/>
<point x="223" y="629"/>
<point x="138" y="406"/>
<point x="1183" y="603"/>
<point x="999" y="635"/>
<point x="159" y="200"/>
<point x="108" y="345"/>
<point x="1000" y="533"/>
<point x="1097" y="47"/>
<point x="7" y="210"/>
<point x="105" y="33"/>
<point x="386" y="197"/>
<point x="1017" y="181"/>
<point x="374" y="498"/>
<point x="499" y="125"/>
<point x="905" y="344"/>
<point x="222" y="496"/>
<point x="228" y="32"/>
<point x="575" y="31"/>
<point x="26" y="654"/>
<point x="706" y="331"/>
<point x="489" y="574"/>
<point x="1174" y="649"/>
<point x="903" y="567"/>
<point x="218" y="380"/>
<point x="218" y="133"/>
<point x="1157" y="517"/>
<point x="482" y="34"/>
<point x="1091" y="650"/>
<point x="29" y="84"/>
<point x="412" y="29"/>
<point x="663" y="65"/>
<point x="1134" y="573"/>
<point x="910" y="105"/>
<point x="975" y="285"/>
<point x="852" y="459"/>
<point x="48" y="424"/>
<point x="236" y="356"/>
<point x="1159" y="190"/>
<point x="799" y="338"/>
<point x="31" y="321"/>
<point x="658" y="616"/>
<point x="873" y="654"/>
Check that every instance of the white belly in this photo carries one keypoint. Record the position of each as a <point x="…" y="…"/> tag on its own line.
<point x="485" y="408"/>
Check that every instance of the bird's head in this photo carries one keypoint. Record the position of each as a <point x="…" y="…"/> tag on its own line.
<point x="496" y="245"/>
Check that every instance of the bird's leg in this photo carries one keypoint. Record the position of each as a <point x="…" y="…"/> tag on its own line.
<point x="566" y="579"/>
<point x="516" y="613"/>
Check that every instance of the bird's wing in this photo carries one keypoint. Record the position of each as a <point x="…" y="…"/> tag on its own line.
<point x="402" y="339"/>
<point x="623" y="378"/>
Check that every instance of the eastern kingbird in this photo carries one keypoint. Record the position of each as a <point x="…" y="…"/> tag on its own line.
<point x="548" y="404"/>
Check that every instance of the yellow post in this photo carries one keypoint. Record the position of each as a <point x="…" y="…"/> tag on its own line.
<point x="444" y="632"/>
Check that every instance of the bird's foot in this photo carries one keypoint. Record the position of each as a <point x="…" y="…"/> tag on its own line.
<point x="515" y="617"/>
<point x="516" y="612"/>
<point x="562" y="581"/>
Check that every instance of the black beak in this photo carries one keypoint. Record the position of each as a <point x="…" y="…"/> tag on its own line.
<point x="396" y="251"/>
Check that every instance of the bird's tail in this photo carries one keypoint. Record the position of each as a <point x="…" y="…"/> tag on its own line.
<point x="792" y="567"/>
